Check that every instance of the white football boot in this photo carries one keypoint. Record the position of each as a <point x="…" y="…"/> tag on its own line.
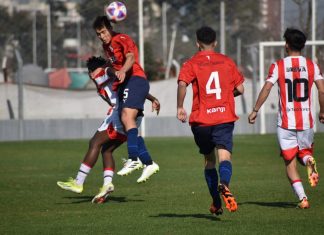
<point x="148" y="171"/>
<point x="104" y="192"/>
<point x="130" y="166"/>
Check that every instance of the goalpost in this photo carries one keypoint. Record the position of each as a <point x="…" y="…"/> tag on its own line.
<point x="262" y="46"/>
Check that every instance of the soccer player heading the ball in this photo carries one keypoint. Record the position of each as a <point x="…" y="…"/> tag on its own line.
<point x="109" y="136"/>
<point x="295" y="76"/>
<point x="133" y="86"/>
<point x="215" y="81"/>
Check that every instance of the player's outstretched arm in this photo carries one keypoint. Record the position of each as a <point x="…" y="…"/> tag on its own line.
<point x="155" y="103"/>
<point x="320" y="88"/>
<point x="181" y="94"/>
<point x="264" y="93"/>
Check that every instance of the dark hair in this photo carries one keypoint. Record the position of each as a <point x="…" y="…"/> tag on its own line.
<point x="206" y="35"/>
<point x="295" y="39"/>
<point x="95" y="62"/>
<point x="100" y="22"/>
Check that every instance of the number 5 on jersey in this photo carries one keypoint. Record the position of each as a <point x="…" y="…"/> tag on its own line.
<point x="217" y="90"/>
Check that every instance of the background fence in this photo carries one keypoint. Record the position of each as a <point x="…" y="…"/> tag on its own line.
<point x="54" y="39"/>
<point x="59" y="34"/>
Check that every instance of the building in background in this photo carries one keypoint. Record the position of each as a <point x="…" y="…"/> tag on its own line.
<point x="271" y="18"/>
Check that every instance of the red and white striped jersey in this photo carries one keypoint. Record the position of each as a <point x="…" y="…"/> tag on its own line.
<point x="105" y="87"/>
<point x="295" y="76"/>
<point x="213" y="77"/>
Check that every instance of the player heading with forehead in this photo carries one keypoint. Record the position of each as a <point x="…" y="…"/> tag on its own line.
<point x="133" y="89"/>
<point x="100" y="22"/>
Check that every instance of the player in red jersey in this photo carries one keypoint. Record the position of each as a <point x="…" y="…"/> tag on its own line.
<point x="109" y="136"/>
<point x="215" y="81"/>
<point x="295" y="76"/>
<point x="122" y="52"/>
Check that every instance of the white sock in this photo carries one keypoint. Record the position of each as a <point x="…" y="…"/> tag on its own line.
<point x="305" y="159"/>
<point x="108" y="175"/>
<point x="298" y="189"/>
<point x="82" y="174"/>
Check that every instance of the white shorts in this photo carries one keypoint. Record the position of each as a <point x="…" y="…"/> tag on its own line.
<point x="295" y="143"/>
<point x="114" y="127"/>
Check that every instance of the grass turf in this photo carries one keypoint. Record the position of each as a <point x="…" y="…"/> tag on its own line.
<point x="174" y="201"/>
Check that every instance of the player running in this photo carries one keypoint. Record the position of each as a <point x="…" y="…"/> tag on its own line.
<point x="109" y="136"/>
<point x="215" y="81"/>
<point x="295" y="76"/>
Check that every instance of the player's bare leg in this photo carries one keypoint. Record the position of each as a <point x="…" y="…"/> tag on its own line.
<point x="128" y="118"/>
<point x="296" y="183"/>
<point x="109" y="166"/>
<point x="94" y="148"/>
<point x="312" y="173"/>
<point x="90" y="159"/>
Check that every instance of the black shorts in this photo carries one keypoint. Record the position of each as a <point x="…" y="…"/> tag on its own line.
<point x="133" y="92"/>
<point x="218" y="136"/>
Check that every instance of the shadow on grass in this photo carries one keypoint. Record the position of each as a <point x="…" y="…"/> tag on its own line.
<point x="198" y="216"/>
<point x="272" y="204"/>
<point x="87" y="199"/>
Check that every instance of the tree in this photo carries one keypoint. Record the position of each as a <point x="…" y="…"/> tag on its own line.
<point x="304" y="16"/>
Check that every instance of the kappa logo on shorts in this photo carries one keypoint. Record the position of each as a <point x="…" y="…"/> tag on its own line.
<point x="216" y="110"/>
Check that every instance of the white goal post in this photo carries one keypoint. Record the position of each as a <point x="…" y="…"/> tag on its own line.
<point x="262" y="45"/>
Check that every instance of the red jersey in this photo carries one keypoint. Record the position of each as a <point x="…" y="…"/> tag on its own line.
<point x="116" y="51"/>
<point x="214" y="77"/>
<point x="295" y="76"/>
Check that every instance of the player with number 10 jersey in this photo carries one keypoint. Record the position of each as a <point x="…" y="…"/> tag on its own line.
<point x="295" y="76"/>
<point x="214" y="77"/>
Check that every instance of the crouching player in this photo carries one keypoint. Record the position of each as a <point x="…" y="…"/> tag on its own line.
<point x="109" y="136"/>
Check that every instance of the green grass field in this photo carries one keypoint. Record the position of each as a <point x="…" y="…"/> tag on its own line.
<point x="174" y="201"/>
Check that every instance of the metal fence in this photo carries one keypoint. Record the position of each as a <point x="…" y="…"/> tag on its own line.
<point x="59" y="34"/>
<point x="54" y="38"/>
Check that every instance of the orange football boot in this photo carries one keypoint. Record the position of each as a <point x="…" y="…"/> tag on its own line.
<point x="228" y="197"/>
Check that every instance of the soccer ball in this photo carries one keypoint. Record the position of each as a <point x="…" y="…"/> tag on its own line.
<point x="116" y="11"/>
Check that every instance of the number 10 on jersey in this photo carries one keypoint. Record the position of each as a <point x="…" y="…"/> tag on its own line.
<point x="217" y="90"/>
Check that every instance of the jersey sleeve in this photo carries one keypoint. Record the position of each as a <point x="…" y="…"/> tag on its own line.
<point x="238" y="76"/>
<point x="127" y="43"/>
<point x="317" y="73"/>
<point x="101" y="77"/>
<point x="273" y="73"/>
<point x="186" y="74"/>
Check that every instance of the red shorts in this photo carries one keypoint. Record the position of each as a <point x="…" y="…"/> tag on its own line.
<point x="295" y="143"/>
